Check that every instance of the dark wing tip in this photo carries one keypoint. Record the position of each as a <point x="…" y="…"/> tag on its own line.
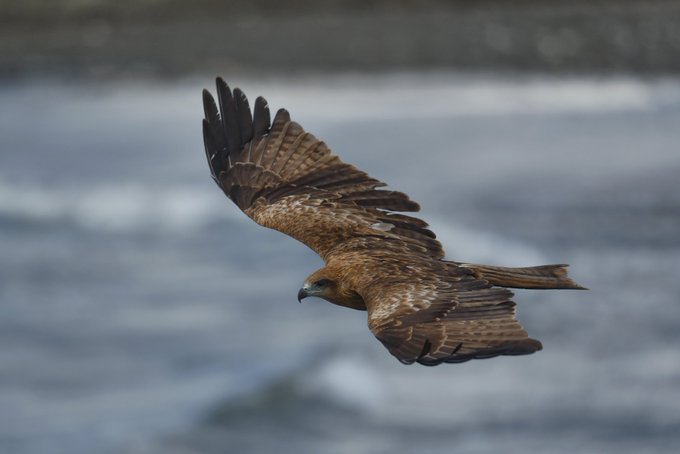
<point x="261" y="118"/>
<point x="283" y="114"/>
<point x="229" y="116"/>
<point x="211" y="147"/>
<point x="244" y="117"/>
<point x="228" y="127"/>
<point x="220" y="83"/>
<point x="206" y="93"/>
<point x="528" y="346"/>
<point x="210" y="108"/>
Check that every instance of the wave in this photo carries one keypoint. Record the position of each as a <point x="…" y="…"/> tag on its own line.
<point x="476" y="246"/>
<point x="113" y="208"/>
<point x="132" y="207"/>
<point x="328" y="380"/>
<point x="411" y="96"/>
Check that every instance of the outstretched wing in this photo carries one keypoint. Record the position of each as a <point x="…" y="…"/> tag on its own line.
<point x="442" y="313"/>
<point x="285" y="179"/>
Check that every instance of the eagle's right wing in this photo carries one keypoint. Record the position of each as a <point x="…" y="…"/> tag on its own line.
<point x="440" y="312"/>
<point x="285" y="179"/>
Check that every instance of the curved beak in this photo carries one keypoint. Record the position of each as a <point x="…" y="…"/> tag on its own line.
<point x="302" y="293"/>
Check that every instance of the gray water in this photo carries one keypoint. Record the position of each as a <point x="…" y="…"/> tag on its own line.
<point x="141" y="312"/>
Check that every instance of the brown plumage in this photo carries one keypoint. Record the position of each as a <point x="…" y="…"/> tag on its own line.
<point x="422" y="308"/>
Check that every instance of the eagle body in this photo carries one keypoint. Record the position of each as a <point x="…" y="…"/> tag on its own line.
<point x="422" y="307"/>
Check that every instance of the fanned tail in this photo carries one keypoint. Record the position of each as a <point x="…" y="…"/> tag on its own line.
<point x="532" y="277"/>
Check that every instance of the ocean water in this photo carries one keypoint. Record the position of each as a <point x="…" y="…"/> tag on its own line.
<point x="141" y="312"/>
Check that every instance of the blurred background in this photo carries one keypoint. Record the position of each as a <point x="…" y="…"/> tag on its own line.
<point x="141" y="312"/>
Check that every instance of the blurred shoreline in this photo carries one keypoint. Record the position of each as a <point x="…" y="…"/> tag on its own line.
<point x="170" y="39"/>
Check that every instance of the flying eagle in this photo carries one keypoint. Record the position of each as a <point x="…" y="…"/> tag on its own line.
<point x="421" y="307"/>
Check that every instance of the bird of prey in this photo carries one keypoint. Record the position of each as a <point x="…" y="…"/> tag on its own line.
<point x="423" y="309"/>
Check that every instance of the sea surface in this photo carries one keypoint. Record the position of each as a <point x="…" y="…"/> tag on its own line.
<point x="141" y="312"/>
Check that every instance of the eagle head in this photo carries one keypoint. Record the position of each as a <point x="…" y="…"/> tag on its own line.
<point x="319" y="285"/>
<point x="324" y="284"/>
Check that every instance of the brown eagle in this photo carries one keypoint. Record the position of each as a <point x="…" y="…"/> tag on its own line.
<point x="421" y="307"/>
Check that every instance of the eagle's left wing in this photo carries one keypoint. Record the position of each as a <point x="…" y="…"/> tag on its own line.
<point x="286" y="179"/>
<point x="442" y="313"/>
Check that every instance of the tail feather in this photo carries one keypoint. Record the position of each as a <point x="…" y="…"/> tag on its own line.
<point x="533" y="277"/>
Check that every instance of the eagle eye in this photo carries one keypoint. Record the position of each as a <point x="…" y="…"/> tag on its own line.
<point x="322" y="283"/>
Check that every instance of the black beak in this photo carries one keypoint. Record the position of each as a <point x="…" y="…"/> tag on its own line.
<point x="302" y="293"/>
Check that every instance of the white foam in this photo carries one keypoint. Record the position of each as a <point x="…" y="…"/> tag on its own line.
<point x="113" y="207"/>
<point x="130" y="207"/>
<point x="349" y="380"/>
<point x="409" y="96"/>
<point x="475" y="246"/>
